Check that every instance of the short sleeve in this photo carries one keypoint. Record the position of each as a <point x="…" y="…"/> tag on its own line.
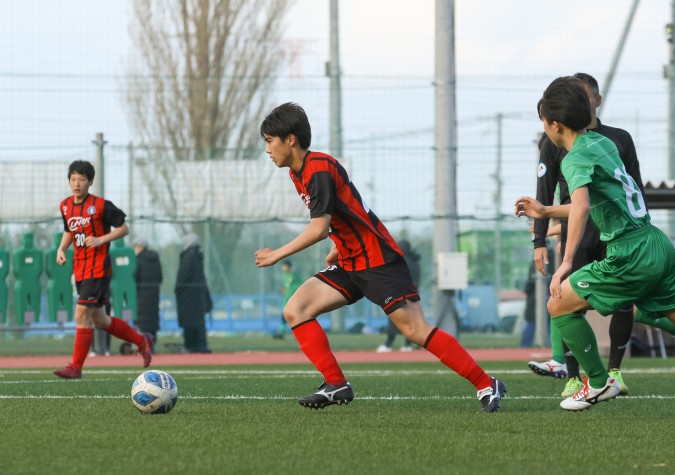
<point x="113" y="215"/>
<point x="576" y="174"/>
<point x="322" y="191"/>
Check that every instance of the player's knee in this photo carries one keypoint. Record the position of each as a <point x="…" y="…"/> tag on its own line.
<point x="408" y="332"/>
<point x="292" y="315"/>
<point x="415" y="331"/>
<point x="554" y="308"/>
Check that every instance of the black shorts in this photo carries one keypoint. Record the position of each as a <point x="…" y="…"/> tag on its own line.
<point x="93" y="292"/>
<point x="590" y="249"/>
<point x="388" y="286"/>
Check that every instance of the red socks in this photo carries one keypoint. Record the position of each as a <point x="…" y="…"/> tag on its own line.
<point x="314" y="344"/>
<point x="453" y="355"/>
<point x="83" y="337"/>
<point x="123" y="331"/>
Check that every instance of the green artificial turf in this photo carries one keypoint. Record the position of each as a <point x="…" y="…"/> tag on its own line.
<point x="406" y="418"/>
<point x="14" y="344"/>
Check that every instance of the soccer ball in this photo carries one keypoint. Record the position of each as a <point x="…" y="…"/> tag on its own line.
<point x="154" y="392"/>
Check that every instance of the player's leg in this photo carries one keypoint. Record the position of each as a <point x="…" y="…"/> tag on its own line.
<point x="118" y="327"/>
<point x="556" y="366"/>
<point x="657" y="320"/>
<point x="574" y="382"/>
<point x="657" y="264"/>
<point x="312" y="299"/>
<point x="589" y="250"/>
<point x="410" y="319"/>
<point x="122" y="330"/>
<point x="621" y="323"/>
<point x="620" y="330"/>
<point x="568" y="316"/>
<point x="83" y="332"/>
<point x="568" y="312"/>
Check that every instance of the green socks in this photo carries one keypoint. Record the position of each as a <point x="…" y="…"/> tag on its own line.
<point x="579" y="337"/>
<point x="659" y="322"/>
<point x="557" y="345"/>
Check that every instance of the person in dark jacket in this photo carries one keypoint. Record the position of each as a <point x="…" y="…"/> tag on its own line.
<point x="193" y="299"/>
<point x="148" y="277"/>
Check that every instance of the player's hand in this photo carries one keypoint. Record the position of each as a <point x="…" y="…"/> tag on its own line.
<point x="556" y="281"/>
<point x="60" y="257"/>
<point x="541" y="259"/>
<point x="526" y="206"/>
<point x="332" y="257"/>
<point x="92" y="241"/>
<point x="265" y="257"/>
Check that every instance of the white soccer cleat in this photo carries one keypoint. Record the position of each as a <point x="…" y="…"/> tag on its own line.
<point x="589" y="396"/>
<point x="383" y="349"/>
<point x="549" y="368"/>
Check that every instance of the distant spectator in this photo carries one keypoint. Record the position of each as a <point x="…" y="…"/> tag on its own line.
<point x="193" y="299"/>
<point x="148" y="277"/>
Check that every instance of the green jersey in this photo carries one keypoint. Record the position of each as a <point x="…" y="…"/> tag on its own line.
<point x="617" y="205"/>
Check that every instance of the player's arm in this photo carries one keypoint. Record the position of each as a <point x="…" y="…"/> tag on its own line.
<point x="117" y="233"/>
<point x="66" y="241"/>
<point x="332" y="257"/>
<point x="576" y="224"/>
<point x="317" y="230"/>
<point x="526" y="206"/>
<point x="554" y="230"/>
<point x="547" y="180"/>
<point x="115" y="217"/>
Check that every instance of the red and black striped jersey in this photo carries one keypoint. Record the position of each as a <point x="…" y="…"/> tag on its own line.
<point x="362" y="240"/>
<point x="94" y="216"/>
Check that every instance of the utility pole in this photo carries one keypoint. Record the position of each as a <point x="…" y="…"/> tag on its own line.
<point x="333" y="71"/>
<point x="670" y="31"/>
<point x="100" y="163"/>
<point x="445" y="161"/>
<point x="498" y="208"/>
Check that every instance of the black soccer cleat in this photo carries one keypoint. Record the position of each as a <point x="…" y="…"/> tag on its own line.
<point x="491" y="396"/>
<point x="328" y="394"/>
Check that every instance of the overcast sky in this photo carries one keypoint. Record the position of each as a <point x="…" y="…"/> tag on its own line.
<point x="63" y="64"/>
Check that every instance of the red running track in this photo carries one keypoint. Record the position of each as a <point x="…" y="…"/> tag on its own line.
<point x="264" y="358"/>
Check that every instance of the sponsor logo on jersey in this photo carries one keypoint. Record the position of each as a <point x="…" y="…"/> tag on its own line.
<point x="77" y="222"/>
<point x="588" y="348"/>
<point x="541" y="170"/>
<point x="583" y="285"/>
<point x="91" y="210"/>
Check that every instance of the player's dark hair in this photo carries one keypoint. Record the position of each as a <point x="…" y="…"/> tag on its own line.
<point x="287" y="263"/>
<point x="565" y="101"/>
<point x="589" y="81"/>
<point x="82" y="167"/>
<point x="287" y="119"/>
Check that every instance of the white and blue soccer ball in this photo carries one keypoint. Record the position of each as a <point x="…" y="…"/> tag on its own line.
<point x="154" y="392"/>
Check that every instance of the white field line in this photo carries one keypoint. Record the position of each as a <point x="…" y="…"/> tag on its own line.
<point x="242" y="397"/>
<point x="308" y="372"/>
